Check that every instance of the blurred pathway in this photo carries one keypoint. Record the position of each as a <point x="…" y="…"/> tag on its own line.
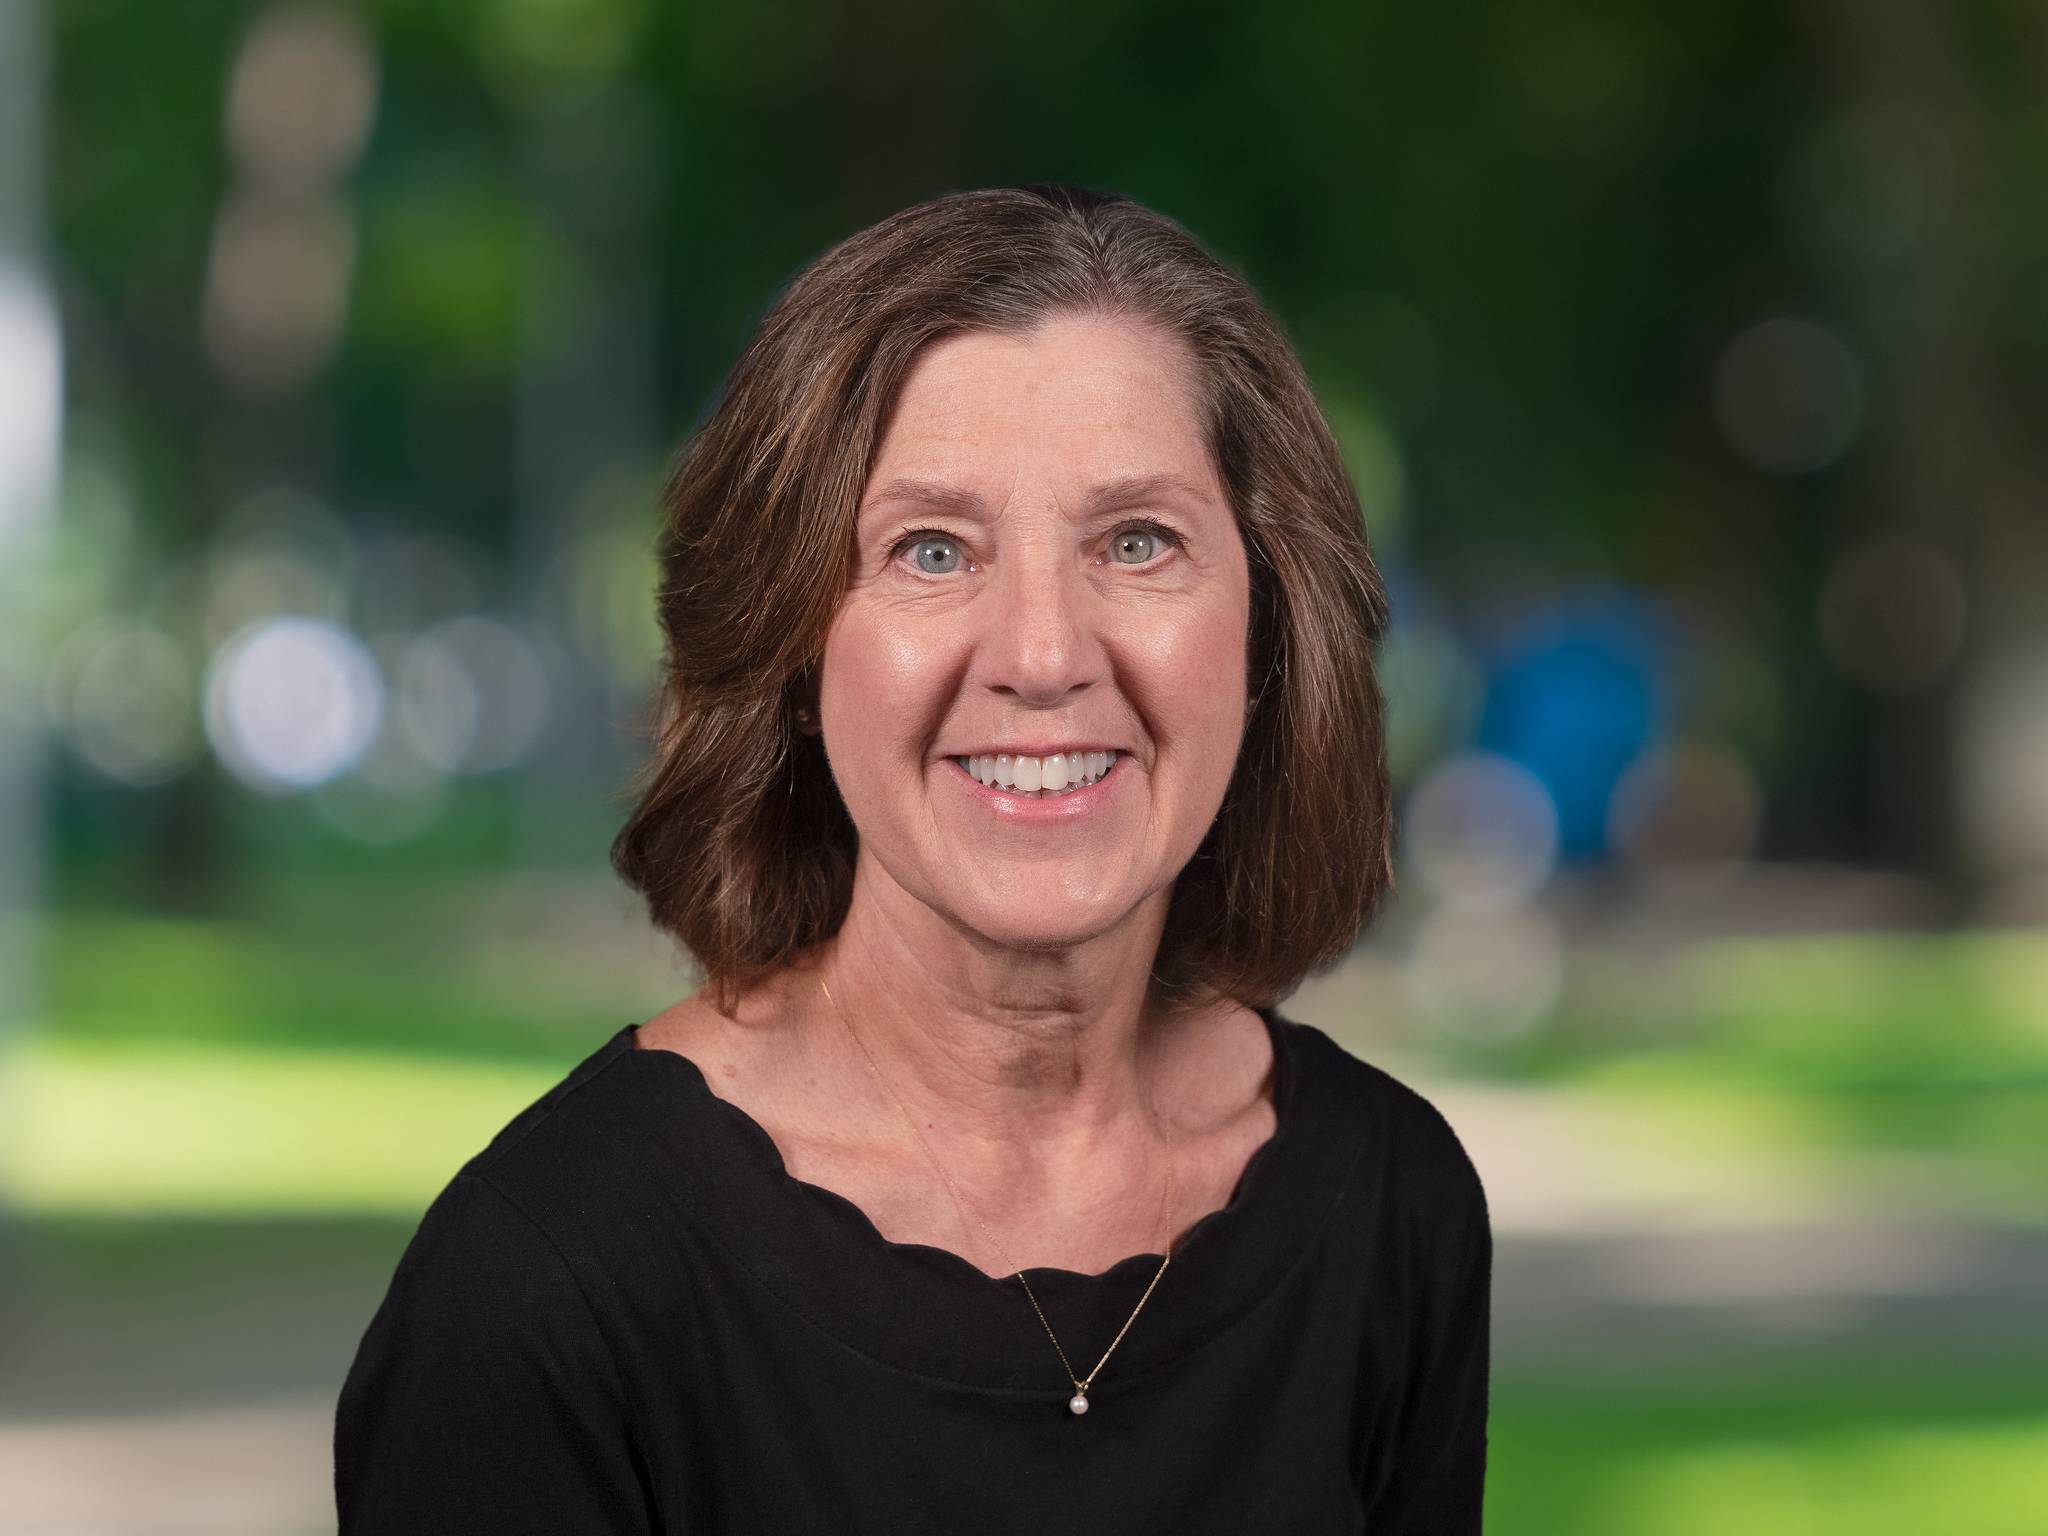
<point x="259" y="1470"/>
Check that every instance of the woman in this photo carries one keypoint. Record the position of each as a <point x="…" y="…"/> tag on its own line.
<point x="1019" y="749"/>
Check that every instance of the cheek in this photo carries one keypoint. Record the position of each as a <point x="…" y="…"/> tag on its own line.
<point x="880" y="690"/>
<point x="1196" y="668"/>
<point x="1224" y="679"/>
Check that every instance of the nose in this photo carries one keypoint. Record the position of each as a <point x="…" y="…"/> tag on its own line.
<point x="1042" y="643"/>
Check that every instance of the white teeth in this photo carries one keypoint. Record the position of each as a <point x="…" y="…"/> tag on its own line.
<point x="1057" y="773"/>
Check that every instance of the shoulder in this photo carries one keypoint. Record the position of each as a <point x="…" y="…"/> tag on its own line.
<point x="476" y="1250"/>
<point x="484" y="1385"/>
<point x="574" y="1163"/>
<point x="557" y="1123"/>
<point x="528" y="1236"/>
<point x="481" y="1294"/>
<point x="506" y="1204"/>
<point x="719" y="1044"/>
<point x="1424" y="1162"/>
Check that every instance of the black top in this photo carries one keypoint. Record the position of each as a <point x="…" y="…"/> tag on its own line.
<point x="626" y="1315"/>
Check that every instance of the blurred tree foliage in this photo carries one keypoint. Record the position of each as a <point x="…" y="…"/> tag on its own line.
<point x="1512" y="240"/>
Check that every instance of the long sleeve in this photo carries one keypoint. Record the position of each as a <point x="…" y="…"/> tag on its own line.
<point x="1437" y="1483"/>
<point x="483" y="1397"/>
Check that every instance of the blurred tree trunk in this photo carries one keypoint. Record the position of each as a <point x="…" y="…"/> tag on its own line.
<point x="905" y="136"/>
<point x="1943" y="461"/>
<point x="586" y="422"/>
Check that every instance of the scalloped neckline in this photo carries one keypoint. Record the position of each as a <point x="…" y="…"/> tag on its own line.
<point x="851" y="1214"/>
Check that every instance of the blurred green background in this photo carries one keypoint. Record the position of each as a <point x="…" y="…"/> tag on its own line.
<point x="1690" y="360"/>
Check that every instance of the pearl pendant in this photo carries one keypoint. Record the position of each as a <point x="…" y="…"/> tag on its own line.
<point x="1078" y="1403"/>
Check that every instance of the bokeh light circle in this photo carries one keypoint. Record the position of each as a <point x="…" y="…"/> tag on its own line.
<point x="291" y="702"/>
<point x="1788" y="395"/>
<point x="126" y="702"/>
<point x="1482" y="832"/>
<point x="1486" y="976"/>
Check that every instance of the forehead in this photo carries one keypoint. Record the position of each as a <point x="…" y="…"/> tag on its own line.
<point x="1080" y="397"/>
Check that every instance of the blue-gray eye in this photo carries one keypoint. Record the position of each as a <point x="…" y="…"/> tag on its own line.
<point x="1142" y="540"/>
<point x="941" y="543"/>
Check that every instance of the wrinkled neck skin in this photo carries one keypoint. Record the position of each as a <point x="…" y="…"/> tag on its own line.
<point x="1025" y="1070"/>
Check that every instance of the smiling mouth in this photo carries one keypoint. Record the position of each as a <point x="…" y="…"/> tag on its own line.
<point x="1021" y="778"/>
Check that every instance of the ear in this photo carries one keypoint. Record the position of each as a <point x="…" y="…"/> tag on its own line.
<point x="803" y="702"/>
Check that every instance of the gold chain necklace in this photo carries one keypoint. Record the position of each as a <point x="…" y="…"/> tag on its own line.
<point x="1078" y="1403"/>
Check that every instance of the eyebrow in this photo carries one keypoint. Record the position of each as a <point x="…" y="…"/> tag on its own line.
<point x="1124" y="491"/>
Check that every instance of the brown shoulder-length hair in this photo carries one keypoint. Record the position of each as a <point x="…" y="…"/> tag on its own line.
<point x="739" y="840"/>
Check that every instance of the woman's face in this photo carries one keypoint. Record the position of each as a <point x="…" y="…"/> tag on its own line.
<point x="1047" y="561"/>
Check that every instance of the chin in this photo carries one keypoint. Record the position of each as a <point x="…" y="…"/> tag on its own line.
<point x="1044" y="932"/>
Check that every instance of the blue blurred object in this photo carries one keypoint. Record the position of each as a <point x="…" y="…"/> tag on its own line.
<point x="1574" y="692"/>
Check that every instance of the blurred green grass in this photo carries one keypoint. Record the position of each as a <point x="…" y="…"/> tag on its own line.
<point x="441" y="971"/>
<point x="449" y="1006"/>
<point x="1865" y="1447"/>
<point x="201" y="1128"/>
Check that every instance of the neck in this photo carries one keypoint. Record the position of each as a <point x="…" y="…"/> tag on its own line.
<point x="1022" y="1069"/>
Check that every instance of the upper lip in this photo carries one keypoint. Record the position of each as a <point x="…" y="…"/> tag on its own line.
<point x="1046" y="749"/>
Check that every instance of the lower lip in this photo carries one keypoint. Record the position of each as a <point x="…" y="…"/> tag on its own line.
<point x="1033" y="810"/>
